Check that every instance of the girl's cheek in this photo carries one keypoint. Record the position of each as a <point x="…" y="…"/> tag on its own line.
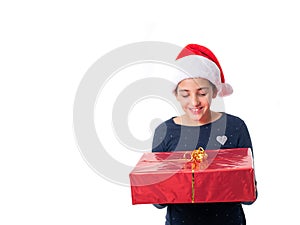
<point x="183" y="100"/>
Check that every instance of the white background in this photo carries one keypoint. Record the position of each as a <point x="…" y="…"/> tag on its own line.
<point x="47" y="46"/>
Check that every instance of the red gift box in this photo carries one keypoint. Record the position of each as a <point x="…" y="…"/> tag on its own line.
<point x="227" y="175"/>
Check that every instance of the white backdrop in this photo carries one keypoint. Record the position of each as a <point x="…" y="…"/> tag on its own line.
<point x="47" y="47"/>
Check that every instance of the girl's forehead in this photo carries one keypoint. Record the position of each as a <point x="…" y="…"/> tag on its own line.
<point x="194" y="83"/>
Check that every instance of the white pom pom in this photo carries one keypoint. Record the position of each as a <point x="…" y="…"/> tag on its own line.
<point x="225" y="90"/>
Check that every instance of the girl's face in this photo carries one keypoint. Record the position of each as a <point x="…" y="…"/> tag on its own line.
<point x="195" y="96"/>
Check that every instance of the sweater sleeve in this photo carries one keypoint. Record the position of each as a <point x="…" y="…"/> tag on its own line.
<point x="245" y="142"/>
<point x="158" y="145"/>
<point x="158" y="142"/>
<point x="244" y="139"/>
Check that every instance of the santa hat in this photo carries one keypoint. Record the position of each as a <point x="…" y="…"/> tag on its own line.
<point x="197" y="61"/>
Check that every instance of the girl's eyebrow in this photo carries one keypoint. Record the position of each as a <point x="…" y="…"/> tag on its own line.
<point x="199" y="89"/>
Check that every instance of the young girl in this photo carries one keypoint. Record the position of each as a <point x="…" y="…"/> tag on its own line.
<point x="199" y="126"/>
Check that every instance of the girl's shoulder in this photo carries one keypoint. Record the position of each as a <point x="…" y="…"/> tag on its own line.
<point x="168" y="126"/>
<point x="232" y="117"/>
<point x="233" y="120"/>
<point x="169" y="123"/>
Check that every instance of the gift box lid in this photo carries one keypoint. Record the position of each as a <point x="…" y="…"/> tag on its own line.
<point x="170" y="162"/>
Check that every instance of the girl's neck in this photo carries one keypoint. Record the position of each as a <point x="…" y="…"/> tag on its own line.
<point x="186" y="121"/>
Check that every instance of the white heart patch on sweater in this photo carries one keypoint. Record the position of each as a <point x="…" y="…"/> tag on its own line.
<point x="221" y="139"/>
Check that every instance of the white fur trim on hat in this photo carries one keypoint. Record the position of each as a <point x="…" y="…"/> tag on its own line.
<point x="195" y="66"/>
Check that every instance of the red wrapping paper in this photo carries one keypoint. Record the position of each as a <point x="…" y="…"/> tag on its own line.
<point x="227" y="175"/>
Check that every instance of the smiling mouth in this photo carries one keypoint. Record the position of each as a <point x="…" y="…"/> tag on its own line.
<point x="196" y="110"/>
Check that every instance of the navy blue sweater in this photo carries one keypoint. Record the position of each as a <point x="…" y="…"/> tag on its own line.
<point x="226" y="132"/>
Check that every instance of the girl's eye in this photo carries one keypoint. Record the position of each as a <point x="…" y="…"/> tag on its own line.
<point x="202" y="93"/>
<point x="184" y="96"/>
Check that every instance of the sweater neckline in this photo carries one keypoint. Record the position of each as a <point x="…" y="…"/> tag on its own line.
<point x="196" y="126"/>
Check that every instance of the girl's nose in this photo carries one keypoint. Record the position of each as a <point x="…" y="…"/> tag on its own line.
<point x="195" y="100"/>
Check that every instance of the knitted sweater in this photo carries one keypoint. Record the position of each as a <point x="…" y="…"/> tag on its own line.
<point x="227" y="132"/>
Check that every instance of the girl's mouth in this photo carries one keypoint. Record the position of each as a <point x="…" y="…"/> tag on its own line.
<point x="196" y="110"/>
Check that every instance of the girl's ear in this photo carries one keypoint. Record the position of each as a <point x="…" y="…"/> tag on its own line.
<point x="215" y="92"/>
<point x="175" y="92"/>
<point x="176" y="95"/>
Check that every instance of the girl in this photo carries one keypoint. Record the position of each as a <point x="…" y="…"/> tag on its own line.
<point x="199" y="126"/>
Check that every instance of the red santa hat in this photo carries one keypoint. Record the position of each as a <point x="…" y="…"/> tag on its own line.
<point x="199" y="62"/>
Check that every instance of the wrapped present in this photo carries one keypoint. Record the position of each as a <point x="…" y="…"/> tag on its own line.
<point x="225" y="175"/>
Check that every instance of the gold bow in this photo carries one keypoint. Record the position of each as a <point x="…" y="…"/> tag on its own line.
<point x="197" y="156"/>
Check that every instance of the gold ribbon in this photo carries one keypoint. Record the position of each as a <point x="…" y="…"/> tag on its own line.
<point x="197" y="156"/>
